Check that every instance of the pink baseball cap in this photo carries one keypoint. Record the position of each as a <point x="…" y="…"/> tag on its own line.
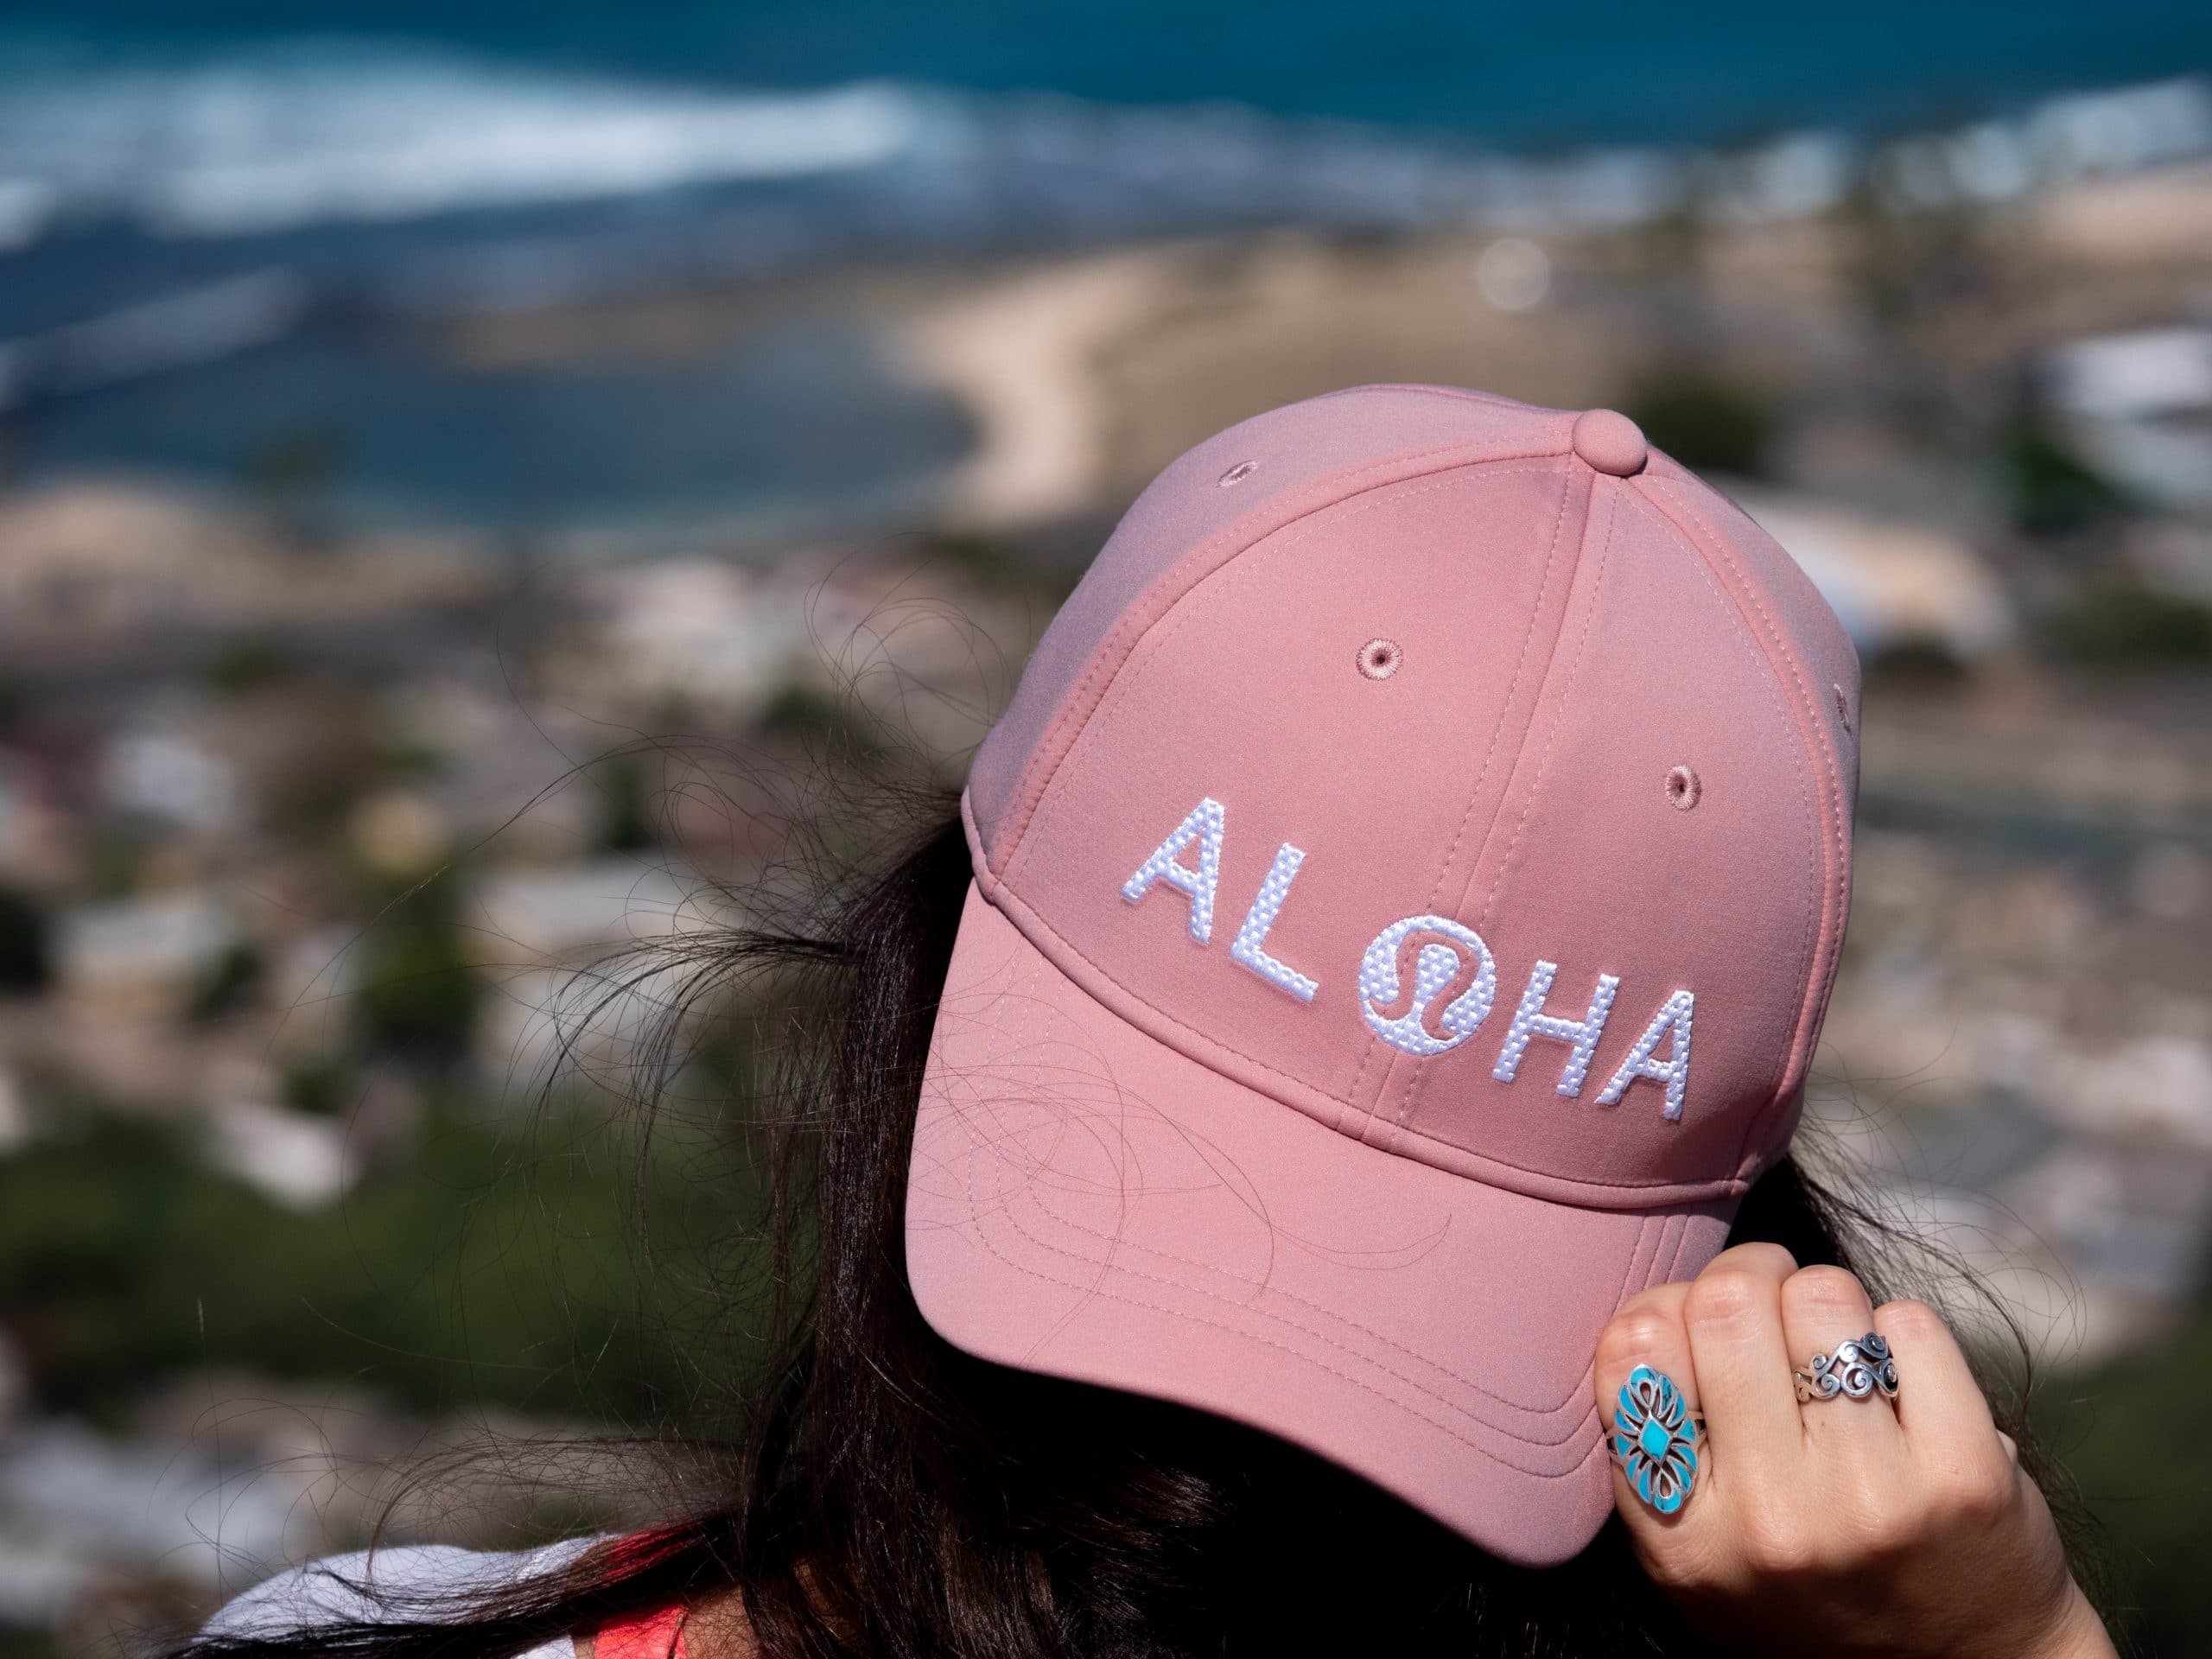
<point x="1409" y="777"/>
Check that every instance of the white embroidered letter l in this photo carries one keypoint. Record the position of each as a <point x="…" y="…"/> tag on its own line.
<point x="1252" y="937"/>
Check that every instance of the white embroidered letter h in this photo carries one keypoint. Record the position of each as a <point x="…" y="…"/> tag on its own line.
<point x="1530" y="1021"/>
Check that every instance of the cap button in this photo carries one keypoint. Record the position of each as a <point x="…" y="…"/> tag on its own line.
<point x="1611" y="442"/>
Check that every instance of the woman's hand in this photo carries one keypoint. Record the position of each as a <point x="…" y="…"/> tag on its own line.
<point x="1841" y="1526"/>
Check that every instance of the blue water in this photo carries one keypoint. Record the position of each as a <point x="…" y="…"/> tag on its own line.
<point x="224" y="239"/>
<point x="1569" y="72"/>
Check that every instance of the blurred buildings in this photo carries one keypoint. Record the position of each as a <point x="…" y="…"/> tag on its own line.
<point x="311" y="816"/>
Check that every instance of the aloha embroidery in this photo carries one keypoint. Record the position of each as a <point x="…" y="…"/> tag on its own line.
<point x="1445" y="953"/>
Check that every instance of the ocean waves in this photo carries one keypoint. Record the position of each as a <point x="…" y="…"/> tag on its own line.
<point x="280" y="139"/>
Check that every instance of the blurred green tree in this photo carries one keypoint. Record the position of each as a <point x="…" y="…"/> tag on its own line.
<point x="24" y="965"/>
<point x="321" y="1085"/>
<point x="418" y="994"/>
<point x="228" y="985"/>
<point x="2047" y="489"/>
<point x="627" y="818"/>
<point x="245" y="665"/>
<point x="1704" y="421"/>
<point x="2125" y="1432"/>
<point x="2121" y="625"/>
<point x="500" y="1267"/>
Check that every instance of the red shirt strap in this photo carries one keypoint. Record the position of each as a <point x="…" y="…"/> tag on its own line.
<point x="652" y="1636"/>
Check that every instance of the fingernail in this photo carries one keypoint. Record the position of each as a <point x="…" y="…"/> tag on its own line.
<point x="1654" y="1439"/>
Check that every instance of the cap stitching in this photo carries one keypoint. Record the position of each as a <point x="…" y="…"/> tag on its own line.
<point x="982" y="1236"/>
<point x="1247" y="1335"/>
<point x="1466" y="817"/>
<point x="1166" y="589"/>
<point x="1628" y="1266"/>
<point x="1831" y="893"/>
<point x="1699" y="1191"/>
<point x="976" y="1213"/>
<point x="1000" y="1003"/>
<point x="1731" y="608"/>
<point x="1559" y="713"/>
<point x="1702" y="1191"/>
<point x="1224" y="543"/>
<point x="1441" y="1398"/>
<point x="1807" y="701"/>
<point x="1294" y="533"/>
<point x="1672" y="1230"/>
<point x="1164" y="628"/>
<point x="1268" y="1284"/>
<point x="1661" y="1276"/>
<point x="1415" y="1077"/>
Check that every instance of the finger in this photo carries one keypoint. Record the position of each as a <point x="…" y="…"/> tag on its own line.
<point x="1941" y="1408"/>
<point x="1823" y="1308"/>
<point x="1734" y="1315"/>
<point x="1648" y="1331"/>
<point x="1646" y="1337"/>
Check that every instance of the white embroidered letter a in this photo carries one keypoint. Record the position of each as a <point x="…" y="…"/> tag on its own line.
<point x="1205" y="825"/>
<point x="1674" y="1072"/>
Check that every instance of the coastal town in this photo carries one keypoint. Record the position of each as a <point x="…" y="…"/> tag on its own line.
<point x="318" y="828"/>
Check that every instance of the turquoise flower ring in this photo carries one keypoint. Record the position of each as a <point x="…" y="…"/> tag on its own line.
<point x="1655" y="1438"/>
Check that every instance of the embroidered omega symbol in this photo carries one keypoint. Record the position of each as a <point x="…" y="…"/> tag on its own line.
<point x="1434" y="969"/>
<point x="1448" y="951"/>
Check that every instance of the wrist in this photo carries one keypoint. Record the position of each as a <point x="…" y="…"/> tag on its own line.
<point x="2078" y="1632"/>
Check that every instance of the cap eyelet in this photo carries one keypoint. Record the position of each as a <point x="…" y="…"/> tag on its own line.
<point x="1843" y="709"/>
<point x="1683" y="789"/>
<point x="1380" y="658"/>
<point x="1238" y="474"/>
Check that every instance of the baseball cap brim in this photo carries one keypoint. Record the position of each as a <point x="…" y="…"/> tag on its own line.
<point x="1087" y="1202"/>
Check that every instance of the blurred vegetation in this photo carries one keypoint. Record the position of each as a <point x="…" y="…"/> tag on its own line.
<point x="418" y="994"/>
<point x="2048" y="490"/>
<point x="229" y="984"/>
<point x="497" y="1267"/>
<point x="2123" y="624"/>
<point x="1915" y="664"/>
<point x="809" y="715"/>
<point x="997" y="567"/>
<point x="23" y="961"/>
<point x="626" y="821"/>
<point x="245" y="665"/>
<point x="321" y="1085"/>
<point x="115" y="857"/>
<point x="1708" y="423"/>
<point x="401" y="761"/>
<point x="2128" y="1433"/>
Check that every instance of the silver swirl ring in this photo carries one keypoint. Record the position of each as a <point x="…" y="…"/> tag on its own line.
<point x="1855" y="1370"/>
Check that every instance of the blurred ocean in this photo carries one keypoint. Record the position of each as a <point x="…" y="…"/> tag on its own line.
<point x="1574" y="72"/>
<point x="212" y="240"/>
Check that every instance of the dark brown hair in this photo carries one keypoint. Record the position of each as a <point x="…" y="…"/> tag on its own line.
<point x="890" y="1497"/>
